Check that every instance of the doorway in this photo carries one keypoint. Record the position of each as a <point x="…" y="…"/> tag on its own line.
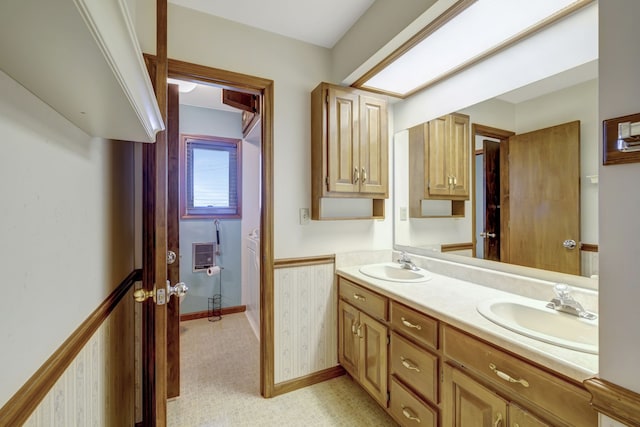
<point x="264" y="88"/>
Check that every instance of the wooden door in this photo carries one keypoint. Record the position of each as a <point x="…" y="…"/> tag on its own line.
<point x="374" y="146"/>
<point x="544" y="198"/>
<point x="519" y="417"/>
<point x="154" y="244"/>
<point x="436" y="158"/>
<point x="459" y="153"/>
<point x="342" y="144"/>
<point x="491" y="177"/>
<point x="173" y="239"/>
<point x="466" y="403"/>
<point x="373" y="358"/>
<point x="348" y="342"/>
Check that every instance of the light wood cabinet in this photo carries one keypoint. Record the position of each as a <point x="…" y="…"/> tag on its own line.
<point x="467" y="403"/>
<point x="434" y="374"/>
<point x="362" y="340"/>
<point x="439" y="163"/>
<point x="350" y="148"/>
<point x="559" y="400"/>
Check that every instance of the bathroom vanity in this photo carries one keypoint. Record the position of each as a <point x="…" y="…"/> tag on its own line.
<point x="425" y="353"/>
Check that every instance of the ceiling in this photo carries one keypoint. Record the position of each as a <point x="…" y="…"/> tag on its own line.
<point x="319" y="22"/>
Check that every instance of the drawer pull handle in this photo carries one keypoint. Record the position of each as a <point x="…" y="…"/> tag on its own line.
<point x="408" y="324"/>
<point x="409" y="415"/>
<point x="354" y="326"/>
<point x="507" y="377"/>
<point x="359" y="297"/>
<point x="358" y="330"/>
<point x="409" y="364"/>
<point x="498" y="420"/>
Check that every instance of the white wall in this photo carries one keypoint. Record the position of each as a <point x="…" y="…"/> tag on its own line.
<point x="619" y="92"/>
<point x="296" y="69"/>
<point x="66" y="229"/>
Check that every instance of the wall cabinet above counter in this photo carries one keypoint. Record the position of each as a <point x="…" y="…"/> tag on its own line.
<point x="349" y="147"/>
<point x="83" y="59"/>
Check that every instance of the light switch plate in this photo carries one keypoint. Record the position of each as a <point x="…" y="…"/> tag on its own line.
<point x="403" y="213"/>
<point x="304" y="216"/>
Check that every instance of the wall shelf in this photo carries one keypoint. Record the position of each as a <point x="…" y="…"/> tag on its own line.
<point x="82" y="58"/>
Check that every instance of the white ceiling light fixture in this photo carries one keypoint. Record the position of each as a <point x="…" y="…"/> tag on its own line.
<point x="445" y="46"/>
<point x="183" y="86"/>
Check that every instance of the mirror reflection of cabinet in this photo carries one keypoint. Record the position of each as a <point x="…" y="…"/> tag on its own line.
<point x="439" y="153"/>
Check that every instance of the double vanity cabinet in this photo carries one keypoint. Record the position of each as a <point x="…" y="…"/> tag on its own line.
<point x="426" y="372"/>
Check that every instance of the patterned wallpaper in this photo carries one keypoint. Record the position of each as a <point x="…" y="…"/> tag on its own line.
<point x="97" y="388"/>
<point x="305" y="321"/>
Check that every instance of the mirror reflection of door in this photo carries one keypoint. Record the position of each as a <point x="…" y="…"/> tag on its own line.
<point x="491" y="191"/>
<point x="542" y="199"/>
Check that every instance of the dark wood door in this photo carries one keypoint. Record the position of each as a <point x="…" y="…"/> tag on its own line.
<point x="543" y="192"/>
<point x="173" y="239"/>
<point x="491" y="165"/>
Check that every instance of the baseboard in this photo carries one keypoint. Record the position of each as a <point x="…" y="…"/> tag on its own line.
<point x="203" y="314"/>
<point x="315" y="378"/>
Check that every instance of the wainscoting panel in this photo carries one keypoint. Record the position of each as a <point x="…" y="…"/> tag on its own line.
<point x="97" y="387"/>
<point x="305" y="320"/>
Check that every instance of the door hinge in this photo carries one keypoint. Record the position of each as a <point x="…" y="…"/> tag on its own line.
<point x="326" y="181"/>
<point x="388" y="339"/>
<point x="388" y="397"/>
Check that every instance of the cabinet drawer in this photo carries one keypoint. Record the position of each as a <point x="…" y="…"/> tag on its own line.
<point x="415" y="366"/>
<point x="557" y="396"/>
<point x="414" y="324"/>
<point x="408" y="410"/>
<point x="365" y="300"/>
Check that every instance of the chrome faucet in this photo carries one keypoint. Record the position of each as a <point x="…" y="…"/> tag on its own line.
<point x="564" y="302"/>
<point x="406" y="262"/>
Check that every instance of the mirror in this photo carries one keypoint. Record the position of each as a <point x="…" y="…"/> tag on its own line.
<point x="565" y="97"/>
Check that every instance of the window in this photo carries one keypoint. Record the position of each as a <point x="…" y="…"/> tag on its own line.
<point x="210" y="175"/>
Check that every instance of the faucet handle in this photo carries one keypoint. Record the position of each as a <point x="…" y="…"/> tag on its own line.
<point x="562" y="290"/>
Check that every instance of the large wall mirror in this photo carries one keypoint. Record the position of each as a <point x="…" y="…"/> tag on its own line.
<point x="534" y="111"/>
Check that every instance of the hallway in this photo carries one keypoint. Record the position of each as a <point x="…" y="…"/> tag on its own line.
<point x="220" y="386"/>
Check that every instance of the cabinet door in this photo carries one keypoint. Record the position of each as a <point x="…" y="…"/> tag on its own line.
<point x="374" y="146"/>
<point x="436" y="158"/>
<point x="466" y="403"/>
<point x="348" y="341"/>
<point x="520" y="418"/>
<point x="343" y="138"/>
<point x="459" y="153"/>
<point x="373" y="357"/>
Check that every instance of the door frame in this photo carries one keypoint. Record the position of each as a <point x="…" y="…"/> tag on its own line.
<point x="490" y="132"/>
<point x="265" y="88"/>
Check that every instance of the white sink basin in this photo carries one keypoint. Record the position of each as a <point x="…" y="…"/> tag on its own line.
<point x="394" y="272"/>
<point x="533" y="319"/>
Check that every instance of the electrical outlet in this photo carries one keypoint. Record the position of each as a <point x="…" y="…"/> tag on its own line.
<point x="403" y="213"/>
<point x="304" y="216"/>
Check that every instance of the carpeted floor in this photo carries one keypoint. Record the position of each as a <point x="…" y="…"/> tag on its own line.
<point x="220" y="386"/>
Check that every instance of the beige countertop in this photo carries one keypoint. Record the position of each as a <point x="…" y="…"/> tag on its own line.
<point x="454" y="301"/>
